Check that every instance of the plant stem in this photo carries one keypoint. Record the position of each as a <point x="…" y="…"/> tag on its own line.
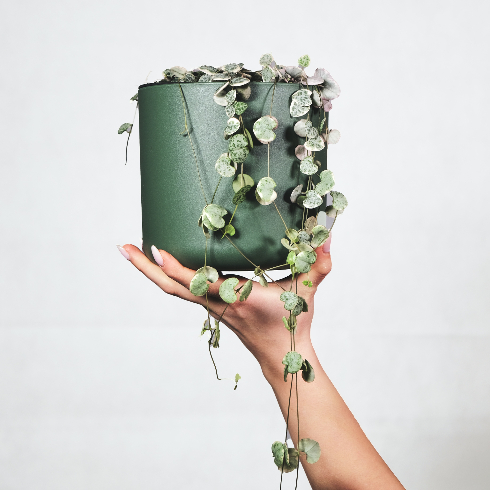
<point x="129" y="134"/>
<point x="216" y="190"/>
<point x="286" y="436"/>
<point x="277" y="209"/>
<point x="214" y="364"/>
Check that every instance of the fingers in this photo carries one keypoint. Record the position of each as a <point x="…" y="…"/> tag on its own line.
<point x="156" y="274"/>
<point x="321" y="267"/>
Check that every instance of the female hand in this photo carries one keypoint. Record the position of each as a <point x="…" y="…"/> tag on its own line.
<point x="256" y="321"/>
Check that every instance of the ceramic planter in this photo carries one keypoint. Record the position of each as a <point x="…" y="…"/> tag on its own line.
<point x="171" y="195"/>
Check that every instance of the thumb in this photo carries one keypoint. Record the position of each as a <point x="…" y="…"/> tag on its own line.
<point x="323" y="264"/>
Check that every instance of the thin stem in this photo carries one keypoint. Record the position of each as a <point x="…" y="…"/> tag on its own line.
<point x="216" y="190"/>
<point x="272" y="98"/>
<point x="285" y="225"/>
<point x="192" y="144"/>
<point x="336" y="214"/>
<point x="275" y="267"/>
<point x="286" y="436"/>
<point x="297" y="417"/>
<point x="268" y="160"/>
<point x="129" y="134"/>
<point x="214" y="364"/>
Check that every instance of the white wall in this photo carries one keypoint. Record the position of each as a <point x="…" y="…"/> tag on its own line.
<point x="105" y="383"/>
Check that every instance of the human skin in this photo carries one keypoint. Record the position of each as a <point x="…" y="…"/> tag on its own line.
<point x="348" y="460"/>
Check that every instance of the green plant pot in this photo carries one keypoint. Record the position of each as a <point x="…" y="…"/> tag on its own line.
<point x="172" y="199"/>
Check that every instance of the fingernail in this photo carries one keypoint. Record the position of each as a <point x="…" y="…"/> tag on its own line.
<point x="156" y="255"/>
<point x="123" y="252"/>
<point x="326" y="245"/>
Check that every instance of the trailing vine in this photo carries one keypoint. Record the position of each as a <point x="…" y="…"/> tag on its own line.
<point x="316" y="93"/>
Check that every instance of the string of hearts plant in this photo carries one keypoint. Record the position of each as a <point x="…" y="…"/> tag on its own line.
<point x="316" y="93"/>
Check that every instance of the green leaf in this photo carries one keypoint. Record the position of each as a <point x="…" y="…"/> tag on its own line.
<point x="263" y="282"/>
<point x="285" y="374"/>
<point x="308" y="284"/>
<point x="315" y="144"/>
<point x="249" y="137"/>
<point x="308" y="374"/>
<point x="292" y="234"/>
<point x="297" y="110"/>
<point x="290" y="300"/>
<point x="211" y="273"/>
<point x="268" y="74"/>
<point x="178" y="72"/>
<point x="312" y="200"/>
<point x="232" y="126"/>
<point x="311" y="448"/>
<point x="239" y="81"/>
<point x="308" y="166"/>
<point x="126" y="127"/>
<point x="326" y="183"/>
<point x="223" y="166"/>
<point x="230" y="110"/>
<point x="242" y="181"/>
<point x="285" y="321"/>
<point x="237" y="141"/>
<point x="291" y="258"/>
<point x="240" y="107"/>
<point x="230" y="96"/>
<point x="239" y="155"/>
<point x="229" y="229"/>
<point x="304" y="61"/>
<point x="241" y="195"/>
<point x="301" y="127"/>
<point x="312" y="132"/>
<point x="339" y="202"/>
<point x="265" y="188"/>
<point x="301" y="264"/>
<point x="199" y="284"/>
<point x="246" y="290"/>
<point x="237" y="378"/>
<point x="210" y="70"/>
<point x="304" y="247"/>
<point x="266" y="59"/>
<point x="302" y="96"/>
<point x="232" y="67"/>
<point x="212" y="216"/>
<point x="303" y="237"/>
<point x="263" y="129"/>
<point x="310" y="223"/>
<point x="320" y="235"/>
<point x="293" y="361"/>
<point x="206" y="326"/>
<point x="227" y="290"/>
<point x="206" y="78"/>
<point x="134" y="97"/>
<point x="300" y="307"/>
<point x="278" y="449"/>
<point x="286" y="244"/>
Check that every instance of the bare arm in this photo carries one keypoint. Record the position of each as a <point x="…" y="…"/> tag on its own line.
<point x="348" y="460"/>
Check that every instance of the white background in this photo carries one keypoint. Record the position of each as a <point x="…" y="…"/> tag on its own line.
<point x="104" y="381"/>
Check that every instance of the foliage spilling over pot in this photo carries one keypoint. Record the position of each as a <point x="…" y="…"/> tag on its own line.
<point x="315" y="93"/>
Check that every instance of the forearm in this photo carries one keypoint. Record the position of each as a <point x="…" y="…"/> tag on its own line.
<point x="348" y="460"/>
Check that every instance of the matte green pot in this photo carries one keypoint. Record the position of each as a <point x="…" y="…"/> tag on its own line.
<point x="172" y="199"/>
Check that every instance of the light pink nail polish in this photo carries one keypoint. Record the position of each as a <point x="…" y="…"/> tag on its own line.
<point x="326" y="245"/>
<point x="156" y="255"/>
<point x="123" y="252"/>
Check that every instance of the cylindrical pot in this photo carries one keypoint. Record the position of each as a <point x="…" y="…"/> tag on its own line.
<point x="174" y="177"/>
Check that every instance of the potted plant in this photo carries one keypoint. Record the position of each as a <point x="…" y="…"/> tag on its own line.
<point x="234" y="177"/>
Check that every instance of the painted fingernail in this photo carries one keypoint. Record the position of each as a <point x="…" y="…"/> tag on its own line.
<point x="326" y="245"/>
<point x="123" y="252"/>
<point x="156" y="255"/>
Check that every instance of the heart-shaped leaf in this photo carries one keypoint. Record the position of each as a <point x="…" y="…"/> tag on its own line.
<point x="315" y="144"/>
<point x="242" y="181"/>
<point x="266" y="59"/>
<point x="230" y="110"/>
<point x="249" y="137"/>
<point x="308" y="166"/>
<point x="312" y="200"/>
<point x="230" y="96"/>
<point x="240" y="107"/>
<point x="339" y="202"/>
<point x="263" y="129"/>
<point x="265" y="188"/>
<point x="232" y="126"/>
<point x="331" y="89"/>
<point x="292" y="234"/>
<point x="268" y="74"/>
<point x="227" y="290"/>
<point x="303" y="237"/>
<point x="263" y="282"/>
<point x="300" y="105"/>
<point x="241" y="195"/>
<point x="320" y="235"/>
<point x="278" y="450"/>
<point x="312" y="132"/>
<point x="296" y="192"/>
<point x="239" y="155"/>
<point x="326" y="183"/>
<point x="304" y="61"/>
<point x="286" y="244"/>
<point x="301" y="126"/>
<point x="310" y="223"/>
<point x="210" y="272"/>
<point x="199" y="284"/>
<point x="263" y="201"/>
<point x="220" y="99"/>
<point x="245" y="92"/>
<point x="311" y="448"/>
<point x="293" y="361"/>
<point x="316" y="99"/>
<point x="126" y="127"/>
<point x="246" y="290"/>
<point x="301" y="152"/>
<point x="223" y="166"/>
<point x="308" y="374"/>
<point x="237" y="141"/>
<point x="212" y="216"/>
<point x="229" y="230"/>
<point x="239" y="81"/>
<point x="333" y="136"/>
<point x="290" y="300"/>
